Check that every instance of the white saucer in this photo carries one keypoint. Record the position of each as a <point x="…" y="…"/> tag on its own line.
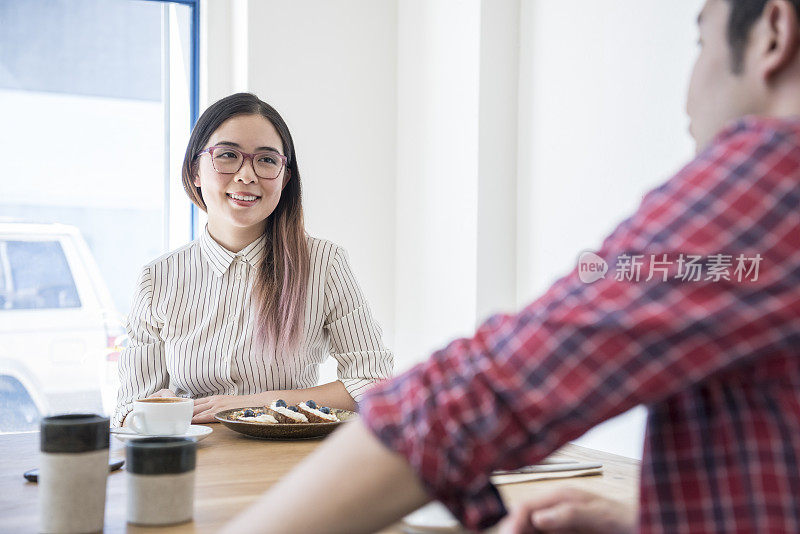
<point x="197" y="432"/>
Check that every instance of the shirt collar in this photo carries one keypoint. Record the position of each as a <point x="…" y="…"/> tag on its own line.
<point x="220" y="258"/>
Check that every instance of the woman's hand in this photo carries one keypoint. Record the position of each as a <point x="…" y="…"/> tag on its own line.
<point x="571" y="510"/>
<point x="205" y="408"/>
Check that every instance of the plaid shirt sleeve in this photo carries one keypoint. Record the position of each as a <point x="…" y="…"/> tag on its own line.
<point x="525" y="384"/>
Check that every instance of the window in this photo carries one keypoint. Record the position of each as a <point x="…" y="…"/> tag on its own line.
<point x="39" y="276"/>
<point x="101" y="96"/>
<point x="4" y="284"/>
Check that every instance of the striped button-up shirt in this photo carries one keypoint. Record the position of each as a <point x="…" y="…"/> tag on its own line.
<point x="715" y="356"/>
<point x="192" y="324"/>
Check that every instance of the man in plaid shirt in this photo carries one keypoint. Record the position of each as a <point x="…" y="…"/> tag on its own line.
<point x="716" y="358"/>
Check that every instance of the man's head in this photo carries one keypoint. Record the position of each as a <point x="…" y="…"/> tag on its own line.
<point x="749" y="63"/>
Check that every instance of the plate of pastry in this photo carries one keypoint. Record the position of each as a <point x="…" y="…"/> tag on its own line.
<point x="279" y="420"/>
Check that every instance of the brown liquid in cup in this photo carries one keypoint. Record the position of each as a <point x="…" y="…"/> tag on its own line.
<point x="162" y="399"/>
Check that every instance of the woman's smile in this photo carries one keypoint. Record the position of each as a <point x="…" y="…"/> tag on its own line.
<point x="243" y="199"/>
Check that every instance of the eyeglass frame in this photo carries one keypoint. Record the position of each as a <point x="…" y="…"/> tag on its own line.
<point x="245" y="157"/>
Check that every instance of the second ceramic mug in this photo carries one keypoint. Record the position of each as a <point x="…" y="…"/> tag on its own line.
<point x="162" y="416"/>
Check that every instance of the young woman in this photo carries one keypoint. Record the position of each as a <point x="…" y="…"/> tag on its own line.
<point x="246" y="313"/>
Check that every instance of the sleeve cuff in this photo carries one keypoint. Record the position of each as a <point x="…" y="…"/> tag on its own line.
<point x="119" y="415"/>
<point x="477" y="506"/>
<point x="357" y="387"/>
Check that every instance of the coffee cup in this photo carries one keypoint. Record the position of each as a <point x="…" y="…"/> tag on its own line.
<point x="72" y="473"/>
<point x="160" y="480"/>
<point x="162" y="416"/>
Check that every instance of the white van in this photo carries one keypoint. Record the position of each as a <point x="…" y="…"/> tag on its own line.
<point x="57" y="325"/>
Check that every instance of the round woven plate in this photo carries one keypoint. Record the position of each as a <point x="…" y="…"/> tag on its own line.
<point x="282" y="430"/>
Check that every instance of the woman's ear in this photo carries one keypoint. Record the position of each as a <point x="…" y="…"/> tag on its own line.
<point x="195" y="177"/>
<point x="287" y="175"/>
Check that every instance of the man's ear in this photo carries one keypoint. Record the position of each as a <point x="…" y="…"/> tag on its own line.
<point x="287" y="175"/>
<point x="783" y="40"/>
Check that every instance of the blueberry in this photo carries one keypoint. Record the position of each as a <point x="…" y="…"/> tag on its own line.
<point x="280" y="403"/>
<point x="311" y="404"/>
<point x="293" y="408"/>
<point x="325" y="409"/>
<point x="249" y="413"/>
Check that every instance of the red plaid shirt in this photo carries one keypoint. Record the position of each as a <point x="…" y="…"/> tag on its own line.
<point x="716" y="361"/>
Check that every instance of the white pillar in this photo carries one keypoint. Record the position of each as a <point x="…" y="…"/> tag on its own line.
<point x="437" y="173"/>
<point x="497" y="179"/>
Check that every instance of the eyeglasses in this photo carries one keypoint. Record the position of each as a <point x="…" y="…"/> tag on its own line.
<point x="227" y="160"/>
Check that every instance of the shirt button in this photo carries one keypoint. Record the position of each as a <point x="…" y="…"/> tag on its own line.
<point x="238" y="277"/>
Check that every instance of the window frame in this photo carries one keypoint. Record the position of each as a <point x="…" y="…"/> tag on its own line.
<point x="194" y="82"/>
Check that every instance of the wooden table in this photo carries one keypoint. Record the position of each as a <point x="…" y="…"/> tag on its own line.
<point x="233" y="470"/>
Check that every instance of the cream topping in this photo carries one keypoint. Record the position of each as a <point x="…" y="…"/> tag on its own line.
<point x="297" y="416"/>
<point x="328" y="416"/>
<point x="262" y="418"/>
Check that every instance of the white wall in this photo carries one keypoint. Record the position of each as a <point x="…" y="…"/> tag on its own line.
<point x="602" y="121"/>
<point x="603" y="88"/>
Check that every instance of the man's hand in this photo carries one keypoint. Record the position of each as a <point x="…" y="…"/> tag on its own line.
<point x="571" y="510"/>
<point x="205" y="408"/>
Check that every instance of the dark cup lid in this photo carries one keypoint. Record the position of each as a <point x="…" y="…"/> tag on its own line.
<point x="159" y="456"/>
<point x="75" y="432"/>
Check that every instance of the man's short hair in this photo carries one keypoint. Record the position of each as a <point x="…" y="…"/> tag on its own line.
<point x="744" y="14"/>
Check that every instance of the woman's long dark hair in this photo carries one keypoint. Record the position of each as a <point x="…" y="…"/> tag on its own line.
<point x="282" y="282"/>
